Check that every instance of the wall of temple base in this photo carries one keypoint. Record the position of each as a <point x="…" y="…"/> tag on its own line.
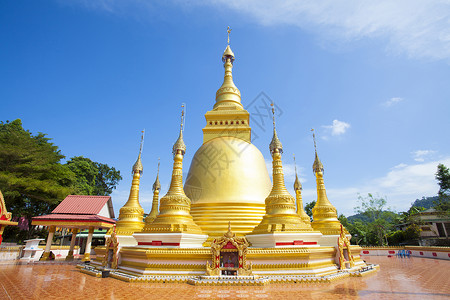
<point x="416" y="251"/>
<point x="145" y="261"/>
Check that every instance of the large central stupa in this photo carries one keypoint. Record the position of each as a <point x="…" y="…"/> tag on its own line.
<point x="228" y="178"/>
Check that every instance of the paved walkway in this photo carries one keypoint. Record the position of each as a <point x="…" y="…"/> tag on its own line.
<point x="399" y="278"/>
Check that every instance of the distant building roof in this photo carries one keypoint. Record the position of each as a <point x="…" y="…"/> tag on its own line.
<point x="69" y="217"/>
<point x="85" y="205"/>
<point x="80" y="211"/>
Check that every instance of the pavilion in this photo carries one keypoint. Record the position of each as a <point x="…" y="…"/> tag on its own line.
<point x="77" y="212"/>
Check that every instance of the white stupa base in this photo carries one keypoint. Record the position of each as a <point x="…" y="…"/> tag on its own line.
<point x="125" y="240"/>
<point x="331" y="240"/>
<point x="170" y="240"/>
<point x="284" y="239"/>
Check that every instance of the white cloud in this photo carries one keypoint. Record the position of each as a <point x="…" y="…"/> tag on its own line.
<point x="417" y="28"/>
<point x="414" y="27"/>
<point x="421" y="155"/>
<point x="401" y="185"/>
<point x="337" y="128"/>
<point x="392" y="101"/>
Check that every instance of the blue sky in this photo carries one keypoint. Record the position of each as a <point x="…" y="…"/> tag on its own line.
<point x="372" y="79"/>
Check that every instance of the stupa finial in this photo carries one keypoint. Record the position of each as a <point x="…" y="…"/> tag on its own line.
<point x="137" y="167"/>
<point x="297" y="184"/>
<point x="275" y="144"/>
<point x="228" y="31"/>
<point x="179" y="144"/>
<point x="157" y="184"/>
<point x="317" y="166"/>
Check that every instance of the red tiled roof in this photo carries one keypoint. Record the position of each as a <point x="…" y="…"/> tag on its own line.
<point x="71" y="217"/>
<point x="82" y="205"/>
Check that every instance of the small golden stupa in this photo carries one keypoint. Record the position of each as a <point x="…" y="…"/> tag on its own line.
<point x="190" y="238"/>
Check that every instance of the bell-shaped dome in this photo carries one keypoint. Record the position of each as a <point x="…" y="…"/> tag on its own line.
<point x="227" y="181"/>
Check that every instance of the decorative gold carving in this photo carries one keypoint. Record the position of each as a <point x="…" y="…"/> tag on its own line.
<point x="111" y="244"/>
<point x="344" y="244"/>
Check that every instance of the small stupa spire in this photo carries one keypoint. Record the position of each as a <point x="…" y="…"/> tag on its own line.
<point x="228" y="94"/>
<point x="156" y="189"/>
<point x="174" y="211"/>
<point x="281" y="212"/>
<point x="298" y="195"/>
<point x="324" y="213"/>
<point x="131" y="214"/>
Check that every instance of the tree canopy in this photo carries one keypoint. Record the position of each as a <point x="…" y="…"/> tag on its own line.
<point x="443" y="178"/>
<point x="93" y="178"/>
<point x="33" y="179"/>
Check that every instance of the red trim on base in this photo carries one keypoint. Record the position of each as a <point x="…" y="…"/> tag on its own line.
<point x="366" y="252"/>
<point x="434" y="254"/>
<point x="157" y="243"/>
<point x="295" y="243"/>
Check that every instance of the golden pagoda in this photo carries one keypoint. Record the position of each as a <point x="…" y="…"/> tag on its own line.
<point x="324" y="213"/>
<point x="131" y="214"/>
<point x="228" y="178"/>
<point x="190" y="240"/>
<point x="281" y="225"/>
<point x="174" y="222"/>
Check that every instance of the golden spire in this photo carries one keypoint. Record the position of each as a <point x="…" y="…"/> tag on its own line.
<point x="324" y="213"/>
<point x="281" y="213"/>
<point x="298" y="195"/>
<point x="174" y="212"/>
<point x="228" y="94"/>
<point x="131" y="214"/>
<point x="154" y="212"/>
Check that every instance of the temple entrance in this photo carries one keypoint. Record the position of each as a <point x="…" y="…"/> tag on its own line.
<point x="229" y="256"/>
<point x="229" y="260"/>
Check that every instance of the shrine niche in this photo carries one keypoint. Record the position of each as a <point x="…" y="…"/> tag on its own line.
<point x="229" y="256"/>
<point x="346" y="260"/>
<point x="110" y="260"/>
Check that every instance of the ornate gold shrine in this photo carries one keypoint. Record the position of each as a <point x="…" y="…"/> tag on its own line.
<point x="345" y="254"/>
<point x="5" y="217"/>
<point x="229" y="256"/>
<point x="111" y="259"/>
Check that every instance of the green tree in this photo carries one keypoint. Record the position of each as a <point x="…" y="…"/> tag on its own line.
<point x="308" y="208"/>
<point x="379" y="218"/>
<point x="443" y="178"/>
<point x="93" y="178"/>
<point x="32" y="179"/>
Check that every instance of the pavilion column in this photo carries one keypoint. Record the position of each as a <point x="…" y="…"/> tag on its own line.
<point x="87" y="252"/>
<point x="72" y="244"/>
<point x="51" y="233"/>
